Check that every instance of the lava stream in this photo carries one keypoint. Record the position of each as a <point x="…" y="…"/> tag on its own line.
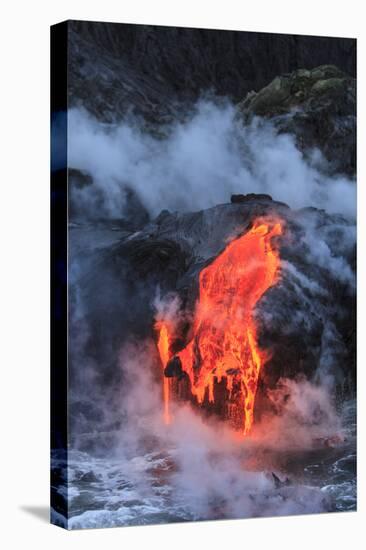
<point x="224" y="342"/>
<point x="163" y="347"/>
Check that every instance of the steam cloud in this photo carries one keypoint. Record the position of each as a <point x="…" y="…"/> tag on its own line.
<point x="217" y="475"/>
<point x="198" y="164"/>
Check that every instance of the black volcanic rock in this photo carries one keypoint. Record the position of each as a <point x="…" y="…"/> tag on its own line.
<point x="235" y="199"/>
<point x="307" y="320"/>
<point x="308" y="311"/>
<point x="173" y="368"/>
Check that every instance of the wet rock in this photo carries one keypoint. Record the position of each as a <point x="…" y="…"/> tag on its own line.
<point x="89" y="477"/>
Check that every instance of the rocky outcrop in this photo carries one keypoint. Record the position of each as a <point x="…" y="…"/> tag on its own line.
<point x="297" y="314"/>
<point x="307" y="320"/>
<point x="317" y="106"/>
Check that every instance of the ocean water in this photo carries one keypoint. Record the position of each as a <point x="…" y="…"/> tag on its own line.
<point x="153" y="487"/>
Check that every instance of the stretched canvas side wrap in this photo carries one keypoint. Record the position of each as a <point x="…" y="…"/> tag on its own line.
<point x="203" y="268"/>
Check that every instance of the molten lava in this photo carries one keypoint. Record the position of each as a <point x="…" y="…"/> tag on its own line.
<point x="224" y="343"/>
<point x="163" y="347"/>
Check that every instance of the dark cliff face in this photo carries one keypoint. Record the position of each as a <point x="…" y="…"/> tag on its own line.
<point x="115" y="66"/>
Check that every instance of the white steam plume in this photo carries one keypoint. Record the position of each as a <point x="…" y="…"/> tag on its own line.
<point x="216" y="474"/>
<point x="197" y="165"/>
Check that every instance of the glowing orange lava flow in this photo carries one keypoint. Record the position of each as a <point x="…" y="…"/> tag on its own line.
<point x="224" y="342"/>
<point x="163" y="347"/>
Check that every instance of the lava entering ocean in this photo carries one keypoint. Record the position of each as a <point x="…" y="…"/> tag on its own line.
<point x="163" y="347"/>
<point x="224" y="344"/>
